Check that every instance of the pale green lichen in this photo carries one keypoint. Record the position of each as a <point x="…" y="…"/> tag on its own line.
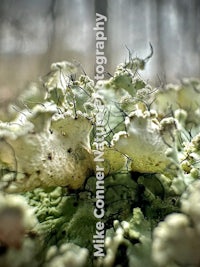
<point x="18" y="246"/>
<point x="176" y="241"/>
<point x="66" y="256"/>
<point x="151" y="148"/>
<point x="143" y="132"/>
<point x="47" y="154"/>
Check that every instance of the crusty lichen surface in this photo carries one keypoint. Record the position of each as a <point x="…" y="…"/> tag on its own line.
<point x="151" y="148"/>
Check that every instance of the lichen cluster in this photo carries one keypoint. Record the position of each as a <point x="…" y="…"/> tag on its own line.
<point x="151" y="162"/>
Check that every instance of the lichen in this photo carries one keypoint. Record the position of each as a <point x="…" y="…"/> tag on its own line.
<point x="150" y="142"/>
<point x="18" y="245"/>
<point x="176" y="240"/>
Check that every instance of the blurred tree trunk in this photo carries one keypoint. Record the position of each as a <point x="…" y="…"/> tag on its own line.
<point x="101" y="7"/>
<point x="52" y="15"/>
<point x="160" y="37"/>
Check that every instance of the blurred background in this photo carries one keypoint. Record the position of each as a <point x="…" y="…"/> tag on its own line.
<point x="33" y="34"/>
